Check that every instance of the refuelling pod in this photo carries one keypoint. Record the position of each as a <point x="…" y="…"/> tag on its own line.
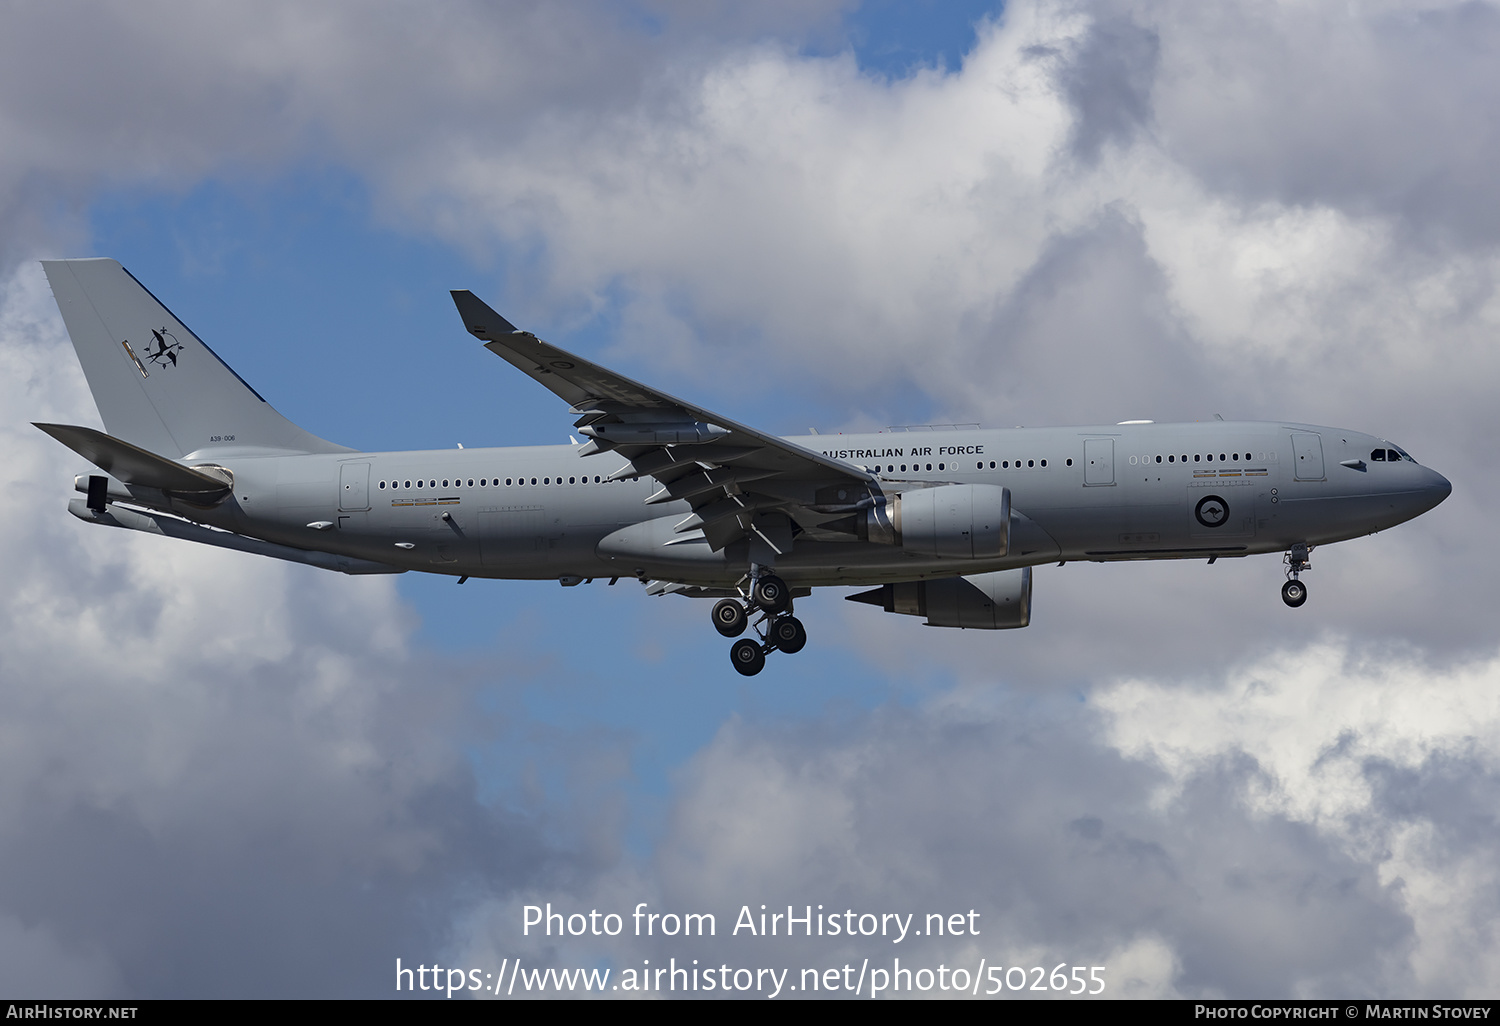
<point x="987" y="602"/>
<point x="960" y="521"/>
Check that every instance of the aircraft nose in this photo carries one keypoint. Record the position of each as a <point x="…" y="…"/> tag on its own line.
<point x="1436" y="488"/>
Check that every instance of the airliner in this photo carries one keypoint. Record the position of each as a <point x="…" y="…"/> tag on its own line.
<point x="943" y="524"/>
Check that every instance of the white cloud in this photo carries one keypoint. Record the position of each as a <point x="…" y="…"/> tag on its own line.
<point x="1393" y="760"/>
<point x="1148" y="209"/>
<point x="1310" y="824"/>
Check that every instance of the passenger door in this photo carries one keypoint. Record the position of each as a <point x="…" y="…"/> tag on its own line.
<point x="1098" y="461"/>
<point x="1307" y="454"/>
<point x="354" y="487"/>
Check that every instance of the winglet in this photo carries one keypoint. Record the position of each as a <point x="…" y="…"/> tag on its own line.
<point x="482" y="322"/>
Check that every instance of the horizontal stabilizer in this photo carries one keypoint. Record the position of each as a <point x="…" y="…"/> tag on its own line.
<point x="134" y="465"/>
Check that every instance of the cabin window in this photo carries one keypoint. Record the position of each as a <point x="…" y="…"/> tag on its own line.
<point x="1070" y="462"/>
<point x="1044" y="463"/>
<point x="1031" y="463"/>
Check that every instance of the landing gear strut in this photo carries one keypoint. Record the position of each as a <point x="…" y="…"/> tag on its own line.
<point x="776" y="627"/>
<point x="1294" y="592"/>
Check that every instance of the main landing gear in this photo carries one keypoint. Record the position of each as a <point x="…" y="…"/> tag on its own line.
<point x="1294" y="592"/>
<point x="777" y="628"/>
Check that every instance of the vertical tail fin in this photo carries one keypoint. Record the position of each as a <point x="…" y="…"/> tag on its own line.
<point x="156" y="384"/>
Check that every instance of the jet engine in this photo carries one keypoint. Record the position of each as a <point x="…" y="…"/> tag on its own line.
<point x="961" y="521"/>
<point x="987" y="602"/>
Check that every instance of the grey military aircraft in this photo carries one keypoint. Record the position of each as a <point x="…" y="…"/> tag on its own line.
<point x="944" y="524"/>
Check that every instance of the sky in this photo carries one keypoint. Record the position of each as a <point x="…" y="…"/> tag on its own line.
<point x="224" y="776"/>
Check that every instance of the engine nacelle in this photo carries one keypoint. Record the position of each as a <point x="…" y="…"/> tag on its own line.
<point x="987" y="602"/>
<point x="955" y="521"/>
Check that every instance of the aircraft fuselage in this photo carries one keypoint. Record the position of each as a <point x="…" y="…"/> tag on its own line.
<point x="1134" y="491"/>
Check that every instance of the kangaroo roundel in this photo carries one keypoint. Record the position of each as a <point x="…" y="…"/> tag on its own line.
<point x="1211" y="511"/>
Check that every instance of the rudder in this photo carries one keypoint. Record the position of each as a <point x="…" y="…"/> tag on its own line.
<point x="157" y="385"/>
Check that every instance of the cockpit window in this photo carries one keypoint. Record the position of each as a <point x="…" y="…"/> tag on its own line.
<point x="1378" y="456"/>
<point x="1391" y="455"/>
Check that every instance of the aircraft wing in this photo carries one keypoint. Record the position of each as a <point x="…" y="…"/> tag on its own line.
<point x="740" y="482"/>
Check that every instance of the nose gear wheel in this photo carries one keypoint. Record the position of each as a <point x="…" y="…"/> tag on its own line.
<point x="1294" y="592"/>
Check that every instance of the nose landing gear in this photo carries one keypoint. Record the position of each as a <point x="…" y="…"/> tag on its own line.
<point x="1294" y="592"/>
<point x="777" y="628"/>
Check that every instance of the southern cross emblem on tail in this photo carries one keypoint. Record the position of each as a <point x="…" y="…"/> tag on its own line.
<point x="166" y="348"/>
